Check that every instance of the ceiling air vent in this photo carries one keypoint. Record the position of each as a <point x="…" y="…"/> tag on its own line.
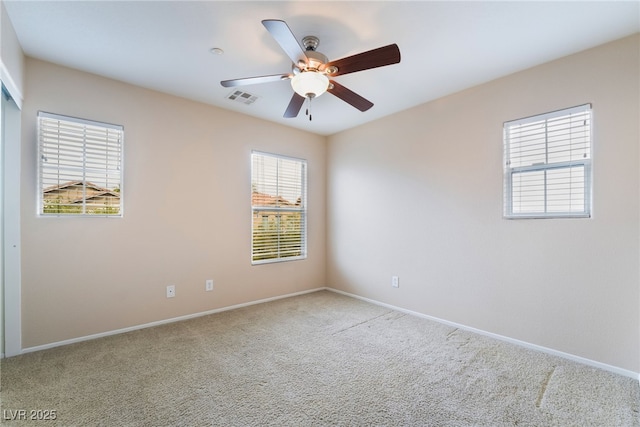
<point x="242" y="97"/>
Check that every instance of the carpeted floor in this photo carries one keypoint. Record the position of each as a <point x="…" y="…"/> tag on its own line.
<point x="320" y="359"/>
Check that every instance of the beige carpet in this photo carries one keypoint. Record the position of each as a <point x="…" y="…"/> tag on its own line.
<point x="320" y="359"/>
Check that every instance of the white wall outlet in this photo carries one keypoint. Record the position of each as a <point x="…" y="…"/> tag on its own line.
<point x="208" y="285"/>
<point x="395" y="281"/>
<point x="171" y="291"/>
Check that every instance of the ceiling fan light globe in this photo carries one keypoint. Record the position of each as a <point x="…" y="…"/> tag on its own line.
<point x="310" y="84"/>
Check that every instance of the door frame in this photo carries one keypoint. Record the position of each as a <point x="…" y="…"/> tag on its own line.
<point x="10" y="280"/>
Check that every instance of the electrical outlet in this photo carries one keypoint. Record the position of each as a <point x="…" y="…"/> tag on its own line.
<point x="171" y="291"/>
<point x="208" y="285"/>
<point x="395" y="281"/>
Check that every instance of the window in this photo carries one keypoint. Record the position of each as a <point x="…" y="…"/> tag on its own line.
<point x="279" y="208"/>
<point x="547" y="168"/>
<point x="80" y="171"/>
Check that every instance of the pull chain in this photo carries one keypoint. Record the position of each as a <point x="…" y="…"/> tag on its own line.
<point x="308" y="110"/>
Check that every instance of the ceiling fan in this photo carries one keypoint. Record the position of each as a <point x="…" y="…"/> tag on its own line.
<point x="311" y="73"/>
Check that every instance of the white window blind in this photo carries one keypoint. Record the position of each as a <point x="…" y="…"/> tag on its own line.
<point x="279" y="208"/>
<point x="80" y="169"/>
<point x="547" y="168"/>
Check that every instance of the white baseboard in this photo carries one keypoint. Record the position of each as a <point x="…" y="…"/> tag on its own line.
<point x="162" y="322"/>
<point x="572" y="357"/>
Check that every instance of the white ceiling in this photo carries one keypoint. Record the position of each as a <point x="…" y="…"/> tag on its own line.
<point x="446" y="46"/>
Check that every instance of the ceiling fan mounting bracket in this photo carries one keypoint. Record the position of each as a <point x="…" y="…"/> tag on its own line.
<point x="310" y="43"/>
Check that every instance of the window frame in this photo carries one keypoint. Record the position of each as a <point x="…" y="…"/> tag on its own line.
<point x="585" y="163"/>
<point x="84" y="169"/>
<point x="302" y="209"/>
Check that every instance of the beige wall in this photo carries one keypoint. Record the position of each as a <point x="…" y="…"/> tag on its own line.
<point x="187" y="213"/>
<point x="419" y="195"/>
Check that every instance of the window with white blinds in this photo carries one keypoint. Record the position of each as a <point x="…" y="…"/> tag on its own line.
<point x="80" y="166"/>
<point x="547" y="165"/>
<point x="279" y="208"/>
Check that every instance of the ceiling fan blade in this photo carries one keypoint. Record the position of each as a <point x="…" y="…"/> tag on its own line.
<point x="379" y="57"/>
<point x="294" y="106"/>
<point x="349" y="96"/>
<point x="281" y="32"/>
<point x="255" y="80"/>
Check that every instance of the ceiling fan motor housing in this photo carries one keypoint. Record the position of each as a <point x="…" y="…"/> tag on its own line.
<point x="316" y="62"/>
